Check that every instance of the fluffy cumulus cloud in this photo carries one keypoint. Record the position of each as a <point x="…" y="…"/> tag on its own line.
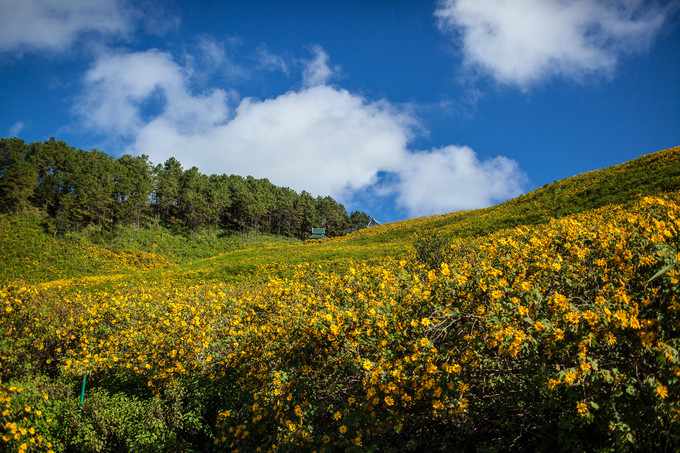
<point x="453" y="178"/>
<point x="27" y="25"/>
<point x="125" y="93"/>
<point x="521" y="42"/>
<point x="319" y="138"/>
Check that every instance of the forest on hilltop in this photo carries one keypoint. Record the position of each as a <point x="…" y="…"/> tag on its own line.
<point x="77" y="189"/>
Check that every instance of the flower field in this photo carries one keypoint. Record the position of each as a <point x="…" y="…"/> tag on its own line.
<point x="560" y="335"/>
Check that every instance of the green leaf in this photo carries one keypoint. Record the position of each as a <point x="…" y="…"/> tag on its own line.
<point x="661" y="272"/>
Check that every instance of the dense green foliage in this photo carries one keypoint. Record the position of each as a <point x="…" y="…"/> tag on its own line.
<point x="549" y="322"/>
<point x="79" y="189"/>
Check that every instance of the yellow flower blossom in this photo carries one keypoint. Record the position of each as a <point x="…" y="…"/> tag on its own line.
<point x="661" y="391"/>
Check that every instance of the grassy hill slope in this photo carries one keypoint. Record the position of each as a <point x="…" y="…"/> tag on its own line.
<point x="28" y="253"/>
<point x="651" y="174"/>
<point x="549" y="322"/>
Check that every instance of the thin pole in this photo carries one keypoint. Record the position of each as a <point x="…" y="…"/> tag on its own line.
<point x="82" y="395"/>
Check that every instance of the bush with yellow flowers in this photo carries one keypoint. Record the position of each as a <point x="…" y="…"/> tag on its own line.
<point x="556" y="336"/>
<point x="560" y="336"/>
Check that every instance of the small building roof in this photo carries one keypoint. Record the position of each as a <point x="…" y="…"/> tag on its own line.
<point x="318" y="233"/>
<point x="373" y="222"/>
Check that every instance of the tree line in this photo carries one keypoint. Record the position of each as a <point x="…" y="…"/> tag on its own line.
<point x="79" y="189"/>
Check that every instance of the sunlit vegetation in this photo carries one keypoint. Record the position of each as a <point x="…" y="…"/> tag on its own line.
<point x="551" y="321"/>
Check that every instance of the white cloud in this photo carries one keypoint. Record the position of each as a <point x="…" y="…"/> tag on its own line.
<point x="320" y="138"/>
<point x="453" y="178"/>
<point x="213" y="56"/>
<point x="317" y="72"/>
<point x="269" y="61"/>
<point x="521" y="42"/>
<point x="119" y="87"/>
<point x="213" y="53"/>
<point x="55" y="24"/>
<point x="16" y="129"/>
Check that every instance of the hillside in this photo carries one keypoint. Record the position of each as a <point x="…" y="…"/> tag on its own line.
<point x="651" y="174"/>
<point x="550" y="321"/>
<point x="30" y="254"/>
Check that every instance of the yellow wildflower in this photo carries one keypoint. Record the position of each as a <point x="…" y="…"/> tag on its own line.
<point x="582" y="409"/>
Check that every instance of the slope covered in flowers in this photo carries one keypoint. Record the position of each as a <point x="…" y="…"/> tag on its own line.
<point x="562" y="334"/>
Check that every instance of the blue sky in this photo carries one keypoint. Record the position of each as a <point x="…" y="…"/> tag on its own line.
<point x="399" y="108"/>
